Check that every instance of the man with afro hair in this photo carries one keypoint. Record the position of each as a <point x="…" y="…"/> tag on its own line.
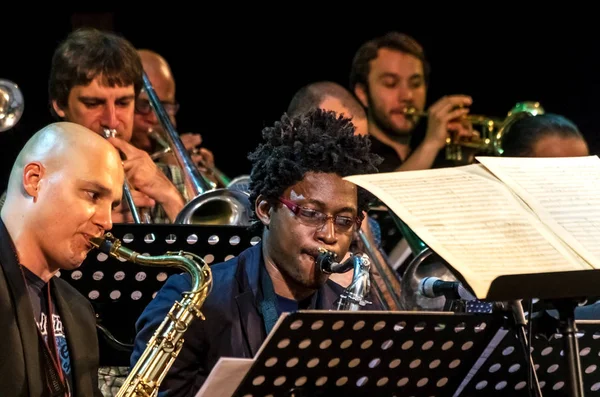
<point x="301" y="203"/>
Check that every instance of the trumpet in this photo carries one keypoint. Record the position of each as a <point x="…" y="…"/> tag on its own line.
<point x="137" y="215"/>
<point x="492" y="129"/>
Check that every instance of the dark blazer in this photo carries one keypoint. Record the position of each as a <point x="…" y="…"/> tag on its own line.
<point x="21" y="360"/>
<point x="233" y="327"/>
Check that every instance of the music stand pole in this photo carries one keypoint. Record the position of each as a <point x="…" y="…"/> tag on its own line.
<point x="568" y="328"/>
<point x="520" y="324"/>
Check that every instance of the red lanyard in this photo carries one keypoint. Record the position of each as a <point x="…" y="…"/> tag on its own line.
<point x="52" y="338"/>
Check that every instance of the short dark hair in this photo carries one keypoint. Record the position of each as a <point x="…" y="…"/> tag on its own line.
<point x="87" y="53"/>
<point x="312" y="95"/>
<point x="359" y="72"/>
<point x="522" y="135"/>
<point x="317" y="141"/>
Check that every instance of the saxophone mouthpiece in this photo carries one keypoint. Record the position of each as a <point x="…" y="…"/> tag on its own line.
<point x="328" y="264"/>
<point x="325" y="260"/>
<point x="104" y="243"/>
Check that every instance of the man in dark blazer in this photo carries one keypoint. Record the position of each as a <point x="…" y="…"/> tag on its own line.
<point x="302" y="203"/>
<point x="61" y="190"/>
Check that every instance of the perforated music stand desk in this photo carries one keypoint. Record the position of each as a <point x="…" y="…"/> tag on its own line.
<point x="368" y="353"/>
<point x="119" y="291"/>
<point x="505" y="372"/>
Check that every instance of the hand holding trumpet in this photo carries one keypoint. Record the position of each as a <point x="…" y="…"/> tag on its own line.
<point x="447" y="122"/>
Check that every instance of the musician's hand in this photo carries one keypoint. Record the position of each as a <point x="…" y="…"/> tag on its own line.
<point x="190" y="140"/>
<point x="203" y="158"/>
<point x="122" y="213"/>
<point x="443" y="117"/>
<point x="143" y="175"/>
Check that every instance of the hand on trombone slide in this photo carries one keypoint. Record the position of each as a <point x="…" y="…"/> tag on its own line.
<point x="202" y="157"/>
<point x="122" y="213"/>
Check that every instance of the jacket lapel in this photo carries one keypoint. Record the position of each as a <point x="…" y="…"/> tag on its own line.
<point x="23" y="310"/>
<point x="248" y="282"/>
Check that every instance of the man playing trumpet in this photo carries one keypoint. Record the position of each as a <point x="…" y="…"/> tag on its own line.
<point x="390" y="77"/>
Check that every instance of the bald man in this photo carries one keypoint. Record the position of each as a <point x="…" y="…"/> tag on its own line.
<point x="145" y="121"/>
<point x="61" y="191"/>
<point x="330" y="96"/>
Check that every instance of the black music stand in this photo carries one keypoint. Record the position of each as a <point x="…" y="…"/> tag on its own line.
<point x="563" y="291"/>
<point x="368" y="353"/>
<point x="504" y="372"/>
<point x="119" y="292"/>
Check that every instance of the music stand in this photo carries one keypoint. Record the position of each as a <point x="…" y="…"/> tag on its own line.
<point x="119" y="291"/>
<point x="504" y="372"/>
<point x="563" y="291"/>
<point x="368" y="353"/>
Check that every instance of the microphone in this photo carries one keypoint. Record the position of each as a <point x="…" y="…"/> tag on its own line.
<point x="432" y="287"/>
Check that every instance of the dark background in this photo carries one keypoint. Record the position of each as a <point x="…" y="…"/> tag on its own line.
<point x="237" y="70"/>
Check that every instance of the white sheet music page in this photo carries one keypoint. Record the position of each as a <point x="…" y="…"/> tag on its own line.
<point x="563" y="191"/>
<point x="225" y="377"/>
<point x="473" y="221"/>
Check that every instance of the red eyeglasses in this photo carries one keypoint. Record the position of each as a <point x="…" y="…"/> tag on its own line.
<point x="314" y="218"/>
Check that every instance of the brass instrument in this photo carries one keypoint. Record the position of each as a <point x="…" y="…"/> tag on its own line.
<point x="385" y="273"/>
<point x="223" y="179"/>
<point x="163" y="348"/>
<point x="354" y="296"/>
<point x="111" y="133"/>
<point x="492" y="130"/>
<point x="11" y="104"/>
<point x="208" y="205"/>
<point x="425" y="263"/>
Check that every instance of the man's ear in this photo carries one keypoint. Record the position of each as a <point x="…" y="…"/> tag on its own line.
<point x="263" y="210"/>
<point x="32" y="176"/>
<point x="57" y="109"/>
<point x="361" y="93"/>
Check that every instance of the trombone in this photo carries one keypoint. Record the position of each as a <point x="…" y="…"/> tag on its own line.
<point x="222" y="179"/>
<point x="208" y="205"/>
<point x="492" y="129"/>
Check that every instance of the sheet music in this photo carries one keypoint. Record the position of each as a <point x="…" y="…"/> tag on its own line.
<point x="473" y="221"/>
<point x="563" y="192"/>
<point x="225" y="377"/>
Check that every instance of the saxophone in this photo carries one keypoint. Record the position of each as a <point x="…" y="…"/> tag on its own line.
<point x="354" y="296"/>
<point x="165" y="345"/>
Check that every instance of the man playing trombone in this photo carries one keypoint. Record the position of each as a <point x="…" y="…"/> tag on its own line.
<point x="147" y="131"/>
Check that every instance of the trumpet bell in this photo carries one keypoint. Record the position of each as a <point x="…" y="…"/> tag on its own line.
<point x="519" y="111"/>
<point x="11" y="104"/>
<point x="217" y="207"/>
